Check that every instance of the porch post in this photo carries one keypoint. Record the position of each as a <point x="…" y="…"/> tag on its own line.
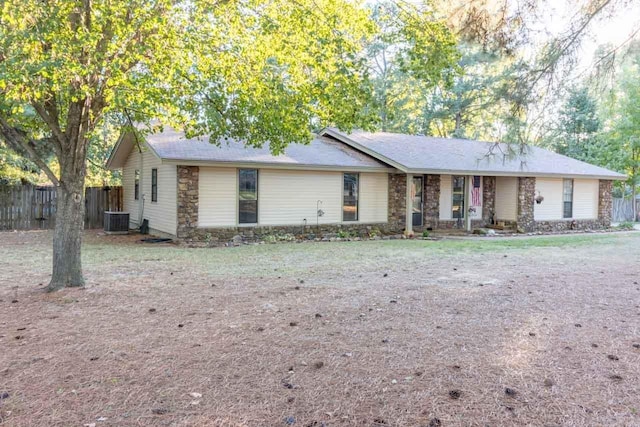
<point x="467" y="214"/>
<point x="408" y="228"/>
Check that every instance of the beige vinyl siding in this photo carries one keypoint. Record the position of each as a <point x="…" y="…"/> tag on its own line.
<point x="585" y="198"/>
<point x="374" y="195"/>
<point x="128" y="181"/>
<point x="217" y="203"/>
<point x="445" y="196"/>
<point x="551" y="207"/>
<point x="287" y="197"/>
<point x="162" y="215"/>
<point x="506" y="198"/>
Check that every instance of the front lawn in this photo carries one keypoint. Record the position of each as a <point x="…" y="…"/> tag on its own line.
<point x="377" y="333"/>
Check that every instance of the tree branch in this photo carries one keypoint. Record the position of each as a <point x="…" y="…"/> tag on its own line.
<point x="17" y="140"/>
<point x="52" y="122"/>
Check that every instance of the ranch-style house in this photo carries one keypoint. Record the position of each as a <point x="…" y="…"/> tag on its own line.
<point x="357" y="182"/>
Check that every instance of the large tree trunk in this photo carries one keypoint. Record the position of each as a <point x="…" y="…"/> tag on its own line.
<point x="67" y="236"/>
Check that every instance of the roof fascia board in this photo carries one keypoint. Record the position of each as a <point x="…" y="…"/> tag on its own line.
<point x="187" y="162"/>
<point x="348" y="141"/>
<point x="511" y="174"/>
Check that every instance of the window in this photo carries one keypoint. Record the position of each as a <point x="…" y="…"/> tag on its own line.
<point x="457" y="201"/>
<point x="154" y="185"/>
<point x="350" y="197"/>
<point x="136" y="184"/>
<point x="567" y="198"/>
<point x="248" y="196"/>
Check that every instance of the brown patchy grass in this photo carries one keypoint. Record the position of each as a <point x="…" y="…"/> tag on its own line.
<point x="316" y="332"/>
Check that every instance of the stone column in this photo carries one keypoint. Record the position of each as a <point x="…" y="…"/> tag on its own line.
<point x="431" y="201"/>
<point x="397" y="196"/>
<point x="188" y="177"/>
<point x="526" y="200"/>
<point x="605" y="203"/>
<point x="488" y="198"/>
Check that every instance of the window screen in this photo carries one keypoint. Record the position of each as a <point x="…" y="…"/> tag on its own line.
<point x="350" y="197"/>
<point x="248" y="196"/>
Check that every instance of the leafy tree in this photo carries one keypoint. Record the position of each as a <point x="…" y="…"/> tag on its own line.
<point x="259" y="70"/>
<point x="412" y="52"/>
<point x="624" y="134"/>
<point x="578" y="126"/>
<point x="15" y="169"/>
<point x="477" y="103"/>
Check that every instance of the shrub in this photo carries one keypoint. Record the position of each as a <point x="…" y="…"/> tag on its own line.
<point x="625" y="225"/>
<point x="425" y="233"/>
<point x="344" y="234"/>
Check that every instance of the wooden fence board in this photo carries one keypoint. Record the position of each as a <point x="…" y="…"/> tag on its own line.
<point x="31" y="207"/>
<point x="622" y="209"/>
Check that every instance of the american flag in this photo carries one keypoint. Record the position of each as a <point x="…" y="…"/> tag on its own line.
<point x="475" y="192"/>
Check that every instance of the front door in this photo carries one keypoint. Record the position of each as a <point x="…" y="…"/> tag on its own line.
<point x="416" y="192"/>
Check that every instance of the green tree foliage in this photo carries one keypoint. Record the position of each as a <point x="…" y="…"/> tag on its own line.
<point x="412" y="52"/>
<point x="623" y="135"/>
<point x="576" y="132"/>
<point x="15" y="169"/>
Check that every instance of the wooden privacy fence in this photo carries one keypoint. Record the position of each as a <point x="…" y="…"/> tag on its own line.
<point x="622" y="209"/>
<point x="30" y="207"/>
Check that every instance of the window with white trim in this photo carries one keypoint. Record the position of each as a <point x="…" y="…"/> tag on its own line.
<point x="567" y="198"/>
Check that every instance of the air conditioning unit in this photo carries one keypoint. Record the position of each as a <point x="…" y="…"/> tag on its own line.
<point x="116" y="222"/>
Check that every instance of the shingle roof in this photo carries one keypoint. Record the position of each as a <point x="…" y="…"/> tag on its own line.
<point x="424" y="154"/>
<point x="321" y="152"/>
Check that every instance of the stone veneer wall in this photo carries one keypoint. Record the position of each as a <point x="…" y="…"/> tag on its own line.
<point x="397" y="195"/>
<point x="526" y="199"/>
<point x="187" y="215"/>
<point x="488" y="199"/>
<point x="605" y="202"/>
<point x="431" y="201"/>
<point x="257" y="233"/>
<point x="187" y="200"/>
<point x="567" y="224"/>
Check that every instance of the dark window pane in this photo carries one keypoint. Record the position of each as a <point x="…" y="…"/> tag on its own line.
<point x="350" y="197"/>
<point x="248" y="196"/>
<point x="457" y="197"/>
<point x="248" y="184"/>
<point x="248" y="211"/>
<point x="416" y="191"/>
<point x="136" y="185"/>
<point x="568" y="210"/>
<point x="458" y="184"/>
<point x="567" y="198"/>
<point x="154" y="185"/>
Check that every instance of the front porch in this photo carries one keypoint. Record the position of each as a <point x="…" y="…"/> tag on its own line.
<point x="419" y="202"/>
<point x="441" y="202"/>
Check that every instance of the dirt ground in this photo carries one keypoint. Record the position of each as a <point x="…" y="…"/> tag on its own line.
<point x="481" y="332"/>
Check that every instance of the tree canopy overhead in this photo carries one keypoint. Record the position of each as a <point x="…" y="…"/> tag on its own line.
<point x="255" y="70"/>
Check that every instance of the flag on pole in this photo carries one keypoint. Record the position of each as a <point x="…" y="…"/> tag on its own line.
<point x="475" y="192"/>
